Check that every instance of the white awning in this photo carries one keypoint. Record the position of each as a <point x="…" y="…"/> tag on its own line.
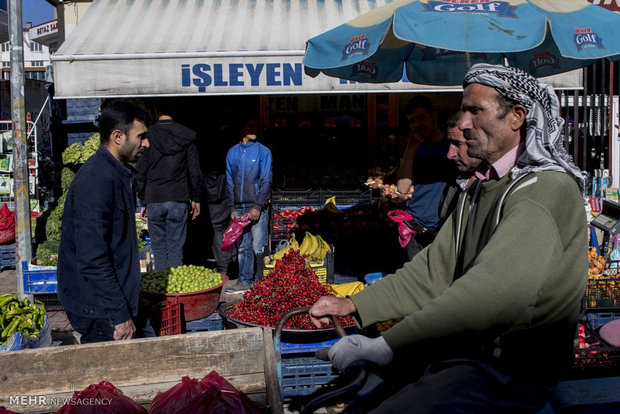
<point x="196" y="47"/>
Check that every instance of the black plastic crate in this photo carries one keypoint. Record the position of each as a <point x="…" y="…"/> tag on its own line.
<point x="7" y="255"/>
<point x="597" y="361"/>
<point x="50" y="301"/>
<point x="602" y="294"/>
<point x="303" y="374"/>
<point x="348" y="197"/>
<point x="294" y="198"/>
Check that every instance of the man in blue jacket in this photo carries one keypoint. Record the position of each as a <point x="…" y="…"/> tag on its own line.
<point x="98" y="262"/>
<point x="248" y="174"/>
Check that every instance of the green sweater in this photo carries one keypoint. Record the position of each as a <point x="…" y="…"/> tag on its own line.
<point x="524" y="285"/>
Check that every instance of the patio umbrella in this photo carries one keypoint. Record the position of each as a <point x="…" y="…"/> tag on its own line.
<point x="436" y="42"/>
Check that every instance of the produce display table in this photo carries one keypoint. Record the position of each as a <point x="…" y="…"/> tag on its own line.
<point x="140" y="368"/>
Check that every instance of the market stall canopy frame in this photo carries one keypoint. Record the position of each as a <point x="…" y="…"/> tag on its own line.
<point x="161" y="48"/>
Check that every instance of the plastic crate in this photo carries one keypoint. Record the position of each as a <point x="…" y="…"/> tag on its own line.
<point x="324" y="271"/>
<point x="7" y="255"/>
<point x="602" y="294"/>
<point x="597" y="361"/>
<point x="50" y="301"/>
<point x="290" y="348"/>
<point x="348" y="197"/>
<point x="371" y="278"/>
<point x="299" y="198"/>
<point x="210" y="323"/>
<point x="596" y="320"/>
<point x="170" y="322"/>
<point x="39" y="281"/>
<point x="303" y="375"/>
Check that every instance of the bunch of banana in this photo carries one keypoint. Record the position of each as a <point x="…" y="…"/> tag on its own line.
<point x="314" y="247"/>
<point x="321" y="251"/>
<point x="19" y="315"/>
<point x="291" y="244"/>
<point x="330" y="205"/>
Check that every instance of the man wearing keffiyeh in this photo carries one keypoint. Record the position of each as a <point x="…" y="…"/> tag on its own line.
<point x="490" y="307"/>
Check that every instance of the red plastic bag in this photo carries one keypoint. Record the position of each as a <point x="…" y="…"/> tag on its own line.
<point x="176" y="398"/>
<point x="102" y="398"/>
<point x="404" y="232"/>
<point x="7" y="225"/>
<point x="220" y="396"/>
<point x="211" y="395"/>
<point x="234" y="231"/>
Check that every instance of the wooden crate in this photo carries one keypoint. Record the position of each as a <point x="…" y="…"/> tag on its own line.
<point x="140" y="368"/>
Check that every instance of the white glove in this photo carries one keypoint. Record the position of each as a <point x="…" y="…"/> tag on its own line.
<point x="355" y="347"/>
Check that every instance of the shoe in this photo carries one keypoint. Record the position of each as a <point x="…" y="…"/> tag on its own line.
<point x="237" y="288"/>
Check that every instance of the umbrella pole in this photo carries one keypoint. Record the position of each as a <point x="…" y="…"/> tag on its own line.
<point x="468" y="60"/>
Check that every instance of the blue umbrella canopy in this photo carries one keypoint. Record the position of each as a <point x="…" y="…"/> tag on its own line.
<point x="436" y="42"/>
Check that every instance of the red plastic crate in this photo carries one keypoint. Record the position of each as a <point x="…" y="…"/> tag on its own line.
<point x="170" y="318"/>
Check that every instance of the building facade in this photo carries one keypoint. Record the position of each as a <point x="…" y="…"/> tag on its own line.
<point x="36" y="58"/>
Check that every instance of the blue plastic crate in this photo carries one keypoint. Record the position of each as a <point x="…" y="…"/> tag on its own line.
<point x="304" y="375"/>
<point x="39" y="281"/>
<point x="7" y="255"/>
<point x="371" y="278"/>
<point x="290" y="348"/>
<point x="596" y="320"/>
<point x="212" y="322"/>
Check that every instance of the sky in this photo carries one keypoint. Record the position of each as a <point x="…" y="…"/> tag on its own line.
<point x="37" y="11"/>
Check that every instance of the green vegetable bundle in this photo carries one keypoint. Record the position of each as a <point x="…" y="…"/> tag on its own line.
<point x="20" y="316"/>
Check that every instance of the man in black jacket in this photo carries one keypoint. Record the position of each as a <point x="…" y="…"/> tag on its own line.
<point x="98" y="262"/>
<point x="169" y="184"/>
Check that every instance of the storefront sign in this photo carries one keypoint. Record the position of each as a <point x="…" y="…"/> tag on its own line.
<point x="45" y="29"/>
<point x="220" y="76"/>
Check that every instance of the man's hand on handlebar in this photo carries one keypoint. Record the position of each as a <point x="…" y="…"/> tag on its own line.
<point x="330" y="305"/>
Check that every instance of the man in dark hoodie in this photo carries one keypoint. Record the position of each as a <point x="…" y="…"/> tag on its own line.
<point x="169" y="183"/>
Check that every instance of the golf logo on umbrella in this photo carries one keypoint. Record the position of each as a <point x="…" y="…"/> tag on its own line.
<point x="501" y="8"/>
<point x="357" y="45"/>
<point x="366" y="68"/>
<point x="543" y="60"/>
<point x="584" y="37"/>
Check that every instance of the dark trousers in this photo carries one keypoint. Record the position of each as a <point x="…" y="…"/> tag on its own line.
<point x="91" y="330"/>
<point x="220" y="220"/>
<point x="466" y="387"/>
<point x="101" y="330"/>
<point x="167" y="223"/>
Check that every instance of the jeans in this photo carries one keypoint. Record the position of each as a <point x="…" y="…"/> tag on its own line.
<point x="254" y="238"/>
<point x="167" y="223"/>
<point x="220" y="220"/>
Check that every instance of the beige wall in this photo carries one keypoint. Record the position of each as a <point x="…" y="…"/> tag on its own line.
<point x="72" y="13"/>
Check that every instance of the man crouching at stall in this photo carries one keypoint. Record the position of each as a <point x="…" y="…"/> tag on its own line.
<point x="493" y="302"/>
<point x="98" y="262"/>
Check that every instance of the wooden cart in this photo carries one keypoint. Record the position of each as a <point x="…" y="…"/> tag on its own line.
<point x="37" y="380"/>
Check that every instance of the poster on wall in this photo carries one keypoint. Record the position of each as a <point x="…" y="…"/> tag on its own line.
<point x="6" y="163"/>
<point x="5" y="185"/>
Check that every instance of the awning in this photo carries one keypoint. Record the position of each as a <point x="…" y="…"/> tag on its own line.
<point x="196" y="47"/>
